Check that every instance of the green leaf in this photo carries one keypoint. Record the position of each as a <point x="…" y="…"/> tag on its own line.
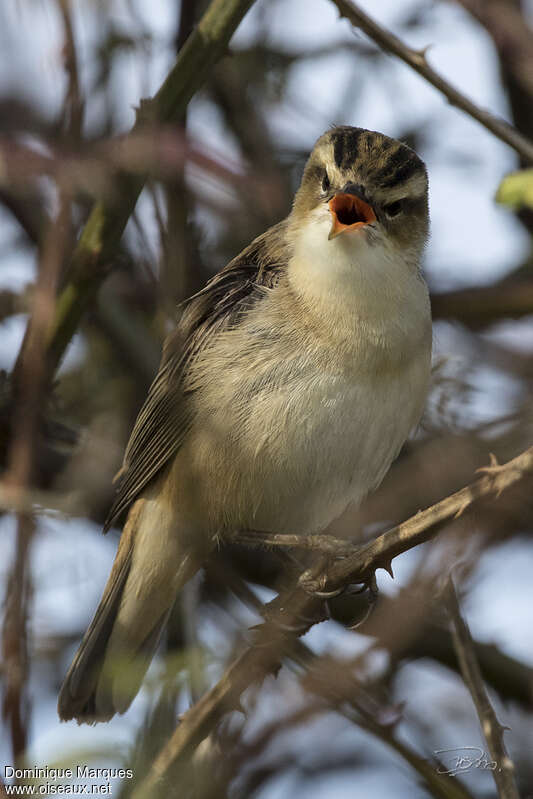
<point x="516" y="190"/>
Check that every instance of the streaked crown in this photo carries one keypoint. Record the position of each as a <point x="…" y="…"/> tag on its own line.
<point x="384" y="172"/>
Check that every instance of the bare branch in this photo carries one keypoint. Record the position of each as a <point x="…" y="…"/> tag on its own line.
<point x="417" y="60"/>
<point x="380" y="552"/>
<point x="511" y="678"/>
<point x="73" y="104"/>
<point x="480" y="306"/>
<point x="493" y="731"/>
<point x="99" y="240"/>
<point x="29" y="389"/>
<point x="326" y="544"/>
<point x="295" y="610"/>
<point x="512" y="36"/>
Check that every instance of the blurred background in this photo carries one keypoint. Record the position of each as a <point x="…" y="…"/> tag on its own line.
<point x="71" y="77"/>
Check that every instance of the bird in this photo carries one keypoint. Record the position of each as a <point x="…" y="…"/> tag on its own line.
<point x="286" y="390"/>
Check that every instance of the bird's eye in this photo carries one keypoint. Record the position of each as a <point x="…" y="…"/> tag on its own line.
<point x="325" y="182"/>
<point x="393" y="209"/>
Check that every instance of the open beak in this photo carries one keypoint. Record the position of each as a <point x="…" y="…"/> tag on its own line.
<point x="349" y="212"/>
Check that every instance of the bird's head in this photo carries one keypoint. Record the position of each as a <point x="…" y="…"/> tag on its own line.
<point x="363" y="189"/>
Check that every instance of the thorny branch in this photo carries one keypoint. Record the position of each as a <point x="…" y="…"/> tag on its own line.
<point x="492" y="730"/>
<point x="321" y="678"/>
<point x="380" y="552"/>
<point x="295" y="610"/>
<point x="337" y="686"/>
<point x="417" y="60"/>
<point x="329" y="684"/>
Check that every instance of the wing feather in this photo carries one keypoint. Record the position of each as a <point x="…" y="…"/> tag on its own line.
<point x="168" y="411"/>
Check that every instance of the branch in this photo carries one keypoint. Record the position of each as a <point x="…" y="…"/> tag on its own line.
<point x="333" y="680"/>
<point x="73" y="106"/>
<point x="513" y="38"/>
<point x="380" y="552"/>
<point x="295" y="610"/>
<point x="509" y="677"/>
<point x="102" y="233"/>
<point x="29" y="390"/>
<point x="322" y="676"/>
<point x="505" y="22"/>
<point x="493" y="731"/>
<point x="480" y="306"/>
<point x="416" y="59"/>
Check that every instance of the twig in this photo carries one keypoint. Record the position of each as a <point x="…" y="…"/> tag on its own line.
<point x="512" y="36"/>
<point x="30" y="382"/>
<point x="320" y="680"/>
<point x="509" y="677"/>
<point x="26" y="210"/>
<point x="480" y="306"/>
<point x="417" y="60"/>
<point x="493" y="731"/>
<point x="441" y="786"/>
<point x="295" y="610"/>
<point x="73" y="106"/>
<point x="315" y="543"/>
<point x="350" y="699"/>
<point x="380" y="552"/>
<point x="136" y="346"/>
<point x="16" y="703"/>
<point x="103" y="230"/>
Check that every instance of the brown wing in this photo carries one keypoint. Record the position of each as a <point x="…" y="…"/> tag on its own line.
<point x="167" y="413"/>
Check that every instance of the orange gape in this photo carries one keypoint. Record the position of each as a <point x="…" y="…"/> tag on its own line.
<point x="349" y="213"/>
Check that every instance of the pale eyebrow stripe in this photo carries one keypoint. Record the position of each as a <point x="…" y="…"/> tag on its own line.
<point x="416" y="186"/>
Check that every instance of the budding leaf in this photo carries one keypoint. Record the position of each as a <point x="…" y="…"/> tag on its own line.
<point x="516" y="190"/>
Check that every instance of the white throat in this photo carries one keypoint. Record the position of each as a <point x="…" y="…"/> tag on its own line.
<point x="350" y="276"/>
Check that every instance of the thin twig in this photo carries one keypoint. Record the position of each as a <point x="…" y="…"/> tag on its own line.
<point x="417" y="60"/>
<point x="503" y="771"/>
<point x="315" y="543"/>
<point x="16" y="702"/>
<point x="511" y="678"/>
<point x="481" y="306"/>
<point x="295" y="610"/>
<point x="73" y="106"/>
<point x="319" y="682"/>
<point x="30" y="383"/>
<point x="512" y="36"/>
<point x="380" y="552"/>
<point x="98" y="242"/>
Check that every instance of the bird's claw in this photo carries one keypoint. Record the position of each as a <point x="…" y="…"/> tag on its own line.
<point x="372" y="587"/>
<point x="325" y="594"/>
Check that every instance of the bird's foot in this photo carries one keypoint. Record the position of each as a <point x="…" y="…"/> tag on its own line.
<point x="311" y="583"/>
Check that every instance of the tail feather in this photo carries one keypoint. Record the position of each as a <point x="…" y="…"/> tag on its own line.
<point x="121" y="640"/>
